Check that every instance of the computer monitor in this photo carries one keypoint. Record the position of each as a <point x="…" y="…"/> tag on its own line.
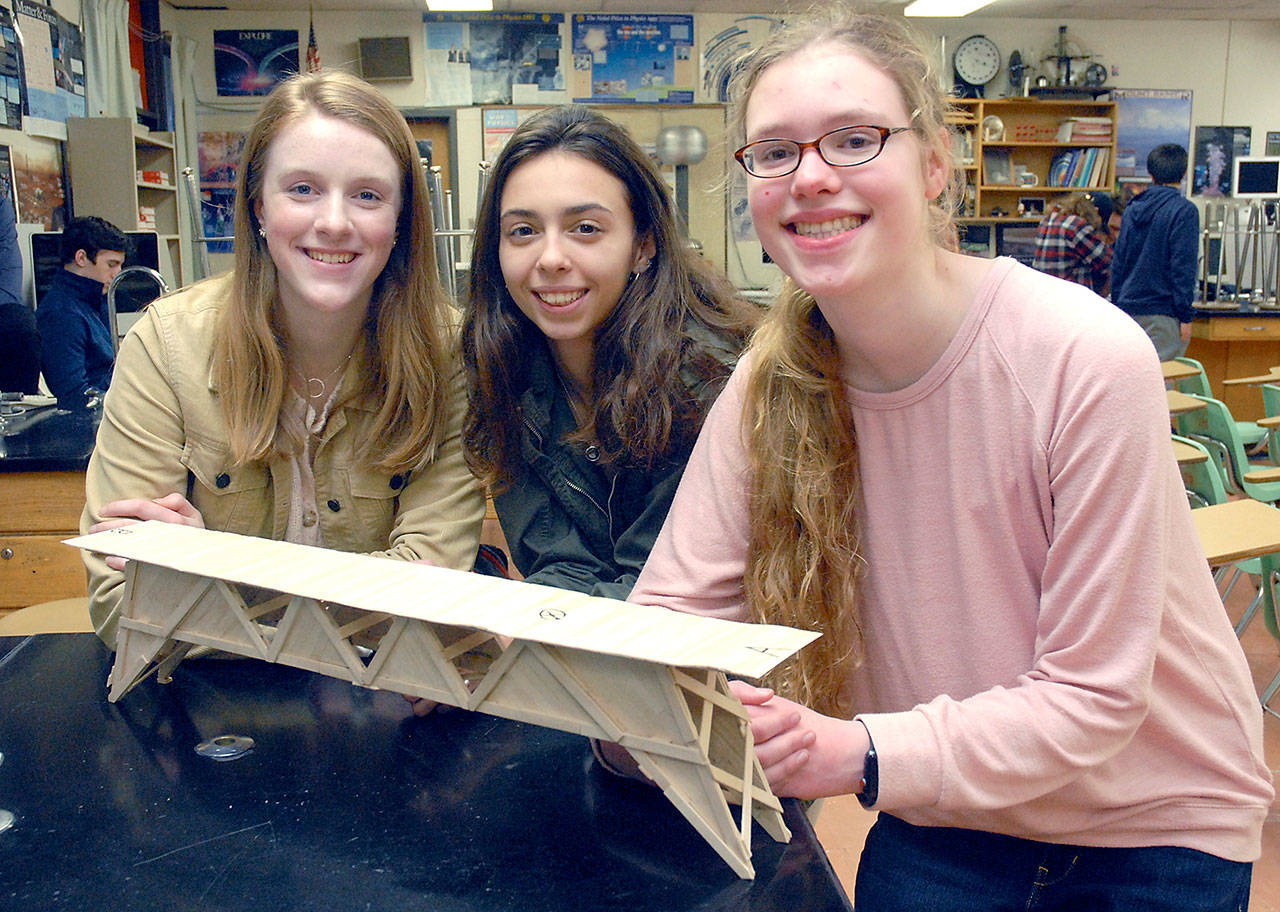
<point x="144" y="250"/>
<point x="1257" y="177"/>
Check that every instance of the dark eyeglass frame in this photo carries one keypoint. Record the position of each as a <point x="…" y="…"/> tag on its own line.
<point x="801" y="147"/>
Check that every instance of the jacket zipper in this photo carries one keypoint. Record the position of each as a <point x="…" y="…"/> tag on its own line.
<point x="607" y="514"/>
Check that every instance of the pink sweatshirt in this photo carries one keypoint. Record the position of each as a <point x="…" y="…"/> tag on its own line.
<point x="1046" y="654"/>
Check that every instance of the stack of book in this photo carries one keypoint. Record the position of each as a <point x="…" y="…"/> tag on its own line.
<point x="1085" y="129"/>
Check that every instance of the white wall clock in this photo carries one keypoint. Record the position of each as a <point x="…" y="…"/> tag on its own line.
<point x="976" y="61"/>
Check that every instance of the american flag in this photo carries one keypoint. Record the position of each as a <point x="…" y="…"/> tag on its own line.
<point x="313" y="52"/>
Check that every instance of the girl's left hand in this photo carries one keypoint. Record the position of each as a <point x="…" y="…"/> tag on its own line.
<point x="172" y="508"/>
<point x="804" y="753"/>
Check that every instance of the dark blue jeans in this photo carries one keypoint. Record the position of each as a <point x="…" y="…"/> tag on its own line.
<point x="952" y="870"/>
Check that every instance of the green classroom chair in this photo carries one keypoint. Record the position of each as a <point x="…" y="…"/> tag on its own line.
<point x="1214" y="427"/>
<point x="1203" y="481"/>
<point x="1198" y="385"/>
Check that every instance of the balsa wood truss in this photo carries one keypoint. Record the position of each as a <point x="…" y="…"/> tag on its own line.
<point x="646" y="678"/>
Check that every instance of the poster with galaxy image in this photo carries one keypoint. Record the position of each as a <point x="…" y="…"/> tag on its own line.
<point x="252" y="61"/>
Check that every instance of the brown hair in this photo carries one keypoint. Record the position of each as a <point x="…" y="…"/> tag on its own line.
<point x="408" y="363"/>
<point x="803" y="557"/>
<point x="1080" y="204"/>
<point x="645" y="356"/>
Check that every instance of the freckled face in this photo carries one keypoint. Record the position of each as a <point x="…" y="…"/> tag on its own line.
<point x="329" y="206"/>
<point x="567" y="247"/>
<point x="838" y="231"/>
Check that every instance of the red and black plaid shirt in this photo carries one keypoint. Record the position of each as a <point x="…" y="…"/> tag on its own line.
<point x="1068" y="247"/>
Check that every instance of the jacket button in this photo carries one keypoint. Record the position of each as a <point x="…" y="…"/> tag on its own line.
<point x="397" y="482"/>
<point x="593" y="453"/>
<point x="222" y="480"/>
<point x="334" y="506"/>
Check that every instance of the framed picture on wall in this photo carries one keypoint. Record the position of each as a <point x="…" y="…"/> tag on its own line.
<point x="8" y="192"/>
<point x="1273" y="142"/>
<point x="1216" y="150"/>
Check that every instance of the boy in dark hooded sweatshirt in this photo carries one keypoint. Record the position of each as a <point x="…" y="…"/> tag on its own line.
<point x="1153" y="272"/>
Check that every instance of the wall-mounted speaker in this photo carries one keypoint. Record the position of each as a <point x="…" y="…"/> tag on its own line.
<point x="385" y="58"/>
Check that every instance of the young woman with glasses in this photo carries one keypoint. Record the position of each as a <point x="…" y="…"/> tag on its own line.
<point x="957" y="469"/>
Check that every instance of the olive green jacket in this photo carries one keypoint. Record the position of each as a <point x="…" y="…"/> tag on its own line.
<point x="163" y="431"/>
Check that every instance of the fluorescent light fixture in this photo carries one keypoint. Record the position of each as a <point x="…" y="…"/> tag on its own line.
<point x="459" y="6"/>
<point x="944" y="8"/>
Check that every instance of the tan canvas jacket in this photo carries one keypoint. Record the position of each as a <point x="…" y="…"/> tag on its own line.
<point x="162" y="431"/>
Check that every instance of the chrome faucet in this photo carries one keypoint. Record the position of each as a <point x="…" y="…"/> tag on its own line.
<point x="111" y="296"/>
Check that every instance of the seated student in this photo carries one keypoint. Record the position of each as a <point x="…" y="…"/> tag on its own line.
<point x="313" y="394"/>
<point x="77" y="352"/>
<point x="1025" y="666"/>
<point x="1071" y="243"/>
<point x="594" y="341"/>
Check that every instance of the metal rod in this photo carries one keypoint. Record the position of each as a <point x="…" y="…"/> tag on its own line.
<point x="435" y="187"/>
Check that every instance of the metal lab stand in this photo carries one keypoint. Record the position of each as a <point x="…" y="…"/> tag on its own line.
<point x="1240" y="254"/>
<point x="448" y="237"/>
<point x="201" y="265"/>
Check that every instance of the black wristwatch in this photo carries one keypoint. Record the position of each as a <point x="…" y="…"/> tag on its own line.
<point x="869" y="788"/>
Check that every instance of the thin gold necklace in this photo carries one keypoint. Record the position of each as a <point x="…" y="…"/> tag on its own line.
<point x="318" y="387"/>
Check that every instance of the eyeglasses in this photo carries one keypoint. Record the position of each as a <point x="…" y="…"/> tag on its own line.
<point x="840" y="148"/>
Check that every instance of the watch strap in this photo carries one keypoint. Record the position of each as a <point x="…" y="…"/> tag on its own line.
<point x="869" y="786"/>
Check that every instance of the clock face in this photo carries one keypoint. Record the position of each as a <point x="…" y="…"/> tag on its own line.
<point x="977" y="60"/>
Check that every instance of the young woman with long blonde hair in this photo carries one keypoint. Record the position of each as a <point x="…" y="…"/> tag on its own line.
<point x="314" y="393"/>
<point x="958" y="470"/>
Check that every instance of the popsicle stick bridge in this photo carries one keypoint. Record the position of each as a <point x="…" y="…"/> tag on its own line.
<point x="647" y="678"/>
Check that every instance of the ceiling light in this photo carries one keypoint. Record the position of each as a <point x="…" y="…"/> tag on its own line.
<point x="459" y="6"/>
<point x="944" y="8"/>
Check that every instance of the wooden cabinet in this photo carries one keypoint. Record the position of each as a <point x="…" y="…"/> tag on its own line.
<point x="1060" y="145"/>
<point x="128" y="175"/>
<point x="1244" y="346"/>
<point x="39" y="510"/>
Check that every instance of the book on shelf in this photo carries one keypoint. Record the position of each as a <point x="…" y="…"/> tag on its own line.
<point x="1084" y="168"/>
<point x="1085" y="129"/>
<point x="1098" y="177"/>
<point x="1060" y="168"/>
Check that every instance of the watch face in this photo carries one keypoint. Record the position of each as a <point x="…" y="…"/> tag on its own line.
<point x="977" y="60"/>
